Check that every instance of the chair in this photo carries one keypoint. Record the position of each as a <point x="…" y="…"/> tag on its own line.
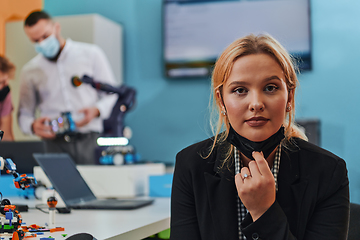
<point x="354" y="225"/>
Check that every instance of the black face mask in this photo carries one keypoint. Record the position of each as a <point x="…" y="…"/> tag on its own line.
<point x="247" y="147"/>
<point x="3" y="93"/>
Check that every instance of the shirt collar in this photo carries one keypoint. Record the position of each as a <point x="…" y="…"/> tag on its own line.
<point x="66" y="48"/>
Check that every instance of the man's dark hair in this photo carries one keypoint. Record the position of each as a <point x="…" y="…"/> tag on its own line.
<point x="35" y="16"/>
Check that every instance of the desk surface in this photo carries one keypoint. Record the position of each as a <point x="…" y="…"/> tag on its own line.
<point x="106" y="224"/>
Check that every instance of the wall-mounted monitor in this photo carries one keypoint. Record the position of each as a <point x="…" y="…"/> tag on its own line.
<point x="197" y="31"/>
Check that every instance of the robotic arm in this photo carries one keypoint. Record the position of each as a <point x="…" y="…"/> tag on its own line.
<point x="21" y="181"/>
<point x="114" y="125"/>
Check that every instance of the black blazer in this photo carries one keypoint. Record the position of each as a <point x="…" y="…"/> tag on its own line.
<point x="312" y="202"/>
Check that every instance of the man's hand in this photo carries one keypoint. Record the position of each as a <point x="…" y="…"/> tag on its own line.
<point x="89" y="114"/>
<point x="42" y="129"/>
<point x="256" y="186"/>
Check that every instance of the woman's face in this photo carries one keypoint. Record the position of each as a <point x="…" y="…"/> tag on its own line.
<point x="4" y="80"/>
<point x="255" y="97"/>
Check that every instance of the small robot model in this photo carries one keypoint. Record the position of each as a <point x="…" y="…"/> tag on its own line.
<point x="64" y="125"/>
<point x="51" y="202"/>
<point x="10" y="218"/>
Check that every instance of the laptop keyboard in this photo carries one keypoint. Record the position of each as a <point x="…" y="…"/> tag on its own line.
<point x="114" y="204"/>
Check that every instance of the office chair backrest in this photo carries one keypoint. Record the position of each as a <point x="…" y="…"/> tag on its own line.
<point x="354" y="225"/>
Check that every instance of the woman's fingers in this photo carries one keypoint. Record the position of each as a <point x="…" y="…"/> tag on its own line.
<point x="256" y="186"/>
<point x="261" y="164"/>
<point x="245" y="173"/>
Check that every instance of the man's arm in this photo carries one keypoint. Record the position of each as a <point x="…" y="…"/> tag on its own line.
<point x="27" y="104"/>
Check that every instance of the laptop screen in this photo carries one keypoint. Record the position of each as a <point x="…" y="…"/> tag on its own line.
<point x="65" y="178"/>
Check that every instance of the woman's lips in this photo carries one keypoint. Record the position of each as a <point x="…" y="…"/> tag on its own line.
<point x="257" y="121"/>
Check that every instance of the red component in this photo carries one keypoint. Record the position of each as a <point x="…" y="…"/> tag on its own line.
<point x="18" y="235"/>
<point x="7" y="207"/>
<point x="32" y="235"/>
<point x="34" y="226"/>
<point x="15" y="236"/>
<point x="57" y="229"/>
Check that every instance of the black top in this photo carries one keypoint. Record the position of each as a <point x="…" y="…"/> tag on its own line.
<point x="312" y="201"/>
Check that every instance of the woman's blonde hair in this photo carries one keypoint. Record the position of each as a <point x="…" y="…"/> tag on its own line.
<point x="251" y="44"/>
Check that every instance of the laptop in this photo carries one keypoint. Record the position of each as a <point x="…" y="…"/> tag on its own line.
<point x="74" y="191"/>
<point x="21" y="154"/>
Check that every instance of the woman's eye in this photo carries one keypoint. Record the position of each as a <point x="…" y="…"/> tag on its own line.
<point x="271" y="88"/>
<point x="240" y="90"/>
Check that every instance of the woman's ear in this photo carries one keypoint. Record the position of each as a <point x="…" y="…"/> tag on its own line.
<point x="221" y="102"/>
<point x="219" y="99"/>
<point x="290" y="101"/>
<point x="291" y="96"/>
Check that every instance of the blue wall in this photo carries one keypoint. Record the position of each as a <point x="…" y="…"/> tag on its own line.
<point x="171" y="114"/>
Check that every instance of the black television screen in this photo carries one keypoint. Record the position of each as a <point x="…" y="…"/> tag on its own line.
<point x="197" y="31"/>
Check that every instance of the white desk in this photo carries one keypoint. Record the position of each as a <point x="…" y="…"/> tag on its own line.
<point x="105" y="224"/>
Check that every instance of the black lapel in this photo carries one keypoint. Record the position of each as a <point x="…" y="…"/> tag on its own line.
<point x="291" y="189"/>
<point x="222" y="197"/>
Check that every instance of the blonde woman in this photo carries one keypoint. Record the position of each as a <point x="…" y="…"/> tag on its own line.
<point x="258" y="177"/>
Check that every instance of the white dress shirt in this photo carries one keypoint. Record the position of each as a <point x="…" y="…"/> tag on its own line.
<point x="47" y="85"/>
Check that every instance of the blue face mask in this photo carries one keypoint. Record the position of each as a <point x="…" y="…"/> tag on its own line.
<point x="49" y="47"/>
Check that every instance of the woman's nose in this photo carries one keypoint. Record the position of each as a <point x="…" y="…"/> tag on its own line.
<point x="256" y="103"/>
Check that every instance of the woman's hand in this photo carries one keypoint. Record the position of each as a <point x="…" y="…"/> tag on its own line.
<point x="257" y="190"/>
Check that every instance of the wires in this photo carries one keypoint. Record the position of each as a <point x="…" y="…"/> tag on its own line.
<point x="41" y="207"/>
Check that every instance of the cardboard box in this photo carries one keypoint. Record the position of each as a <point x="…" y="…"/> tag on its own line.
<point x="160" y="185"/>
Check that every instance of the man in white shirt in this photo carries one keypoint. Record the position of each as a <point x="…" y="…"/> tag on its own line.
<point x="46" y="85"/>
